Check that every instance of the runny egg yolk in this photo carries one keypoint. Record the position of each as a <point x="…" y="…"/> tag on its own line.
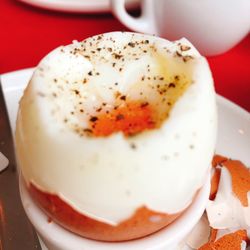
<point x="131" y="118"/>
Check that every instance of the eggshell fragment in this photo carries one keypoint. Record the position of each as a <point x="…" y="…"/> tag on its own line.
<point x="228" y="209"/>
<point x="231" y="241"/>
<point x="240" y="175"/>
<point x="240" y="179"/>
<point x="218" y="159"/>
<point x="215" y="183"/>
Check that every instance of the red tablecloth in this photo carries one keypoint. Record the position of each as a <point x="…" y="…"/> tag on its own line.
<point x="28" y="34"/>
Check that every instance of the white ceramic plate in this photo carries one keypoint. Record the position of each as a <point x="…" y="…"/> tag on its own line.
<point x="78" y="6"/>
<point x="234" y="122"/>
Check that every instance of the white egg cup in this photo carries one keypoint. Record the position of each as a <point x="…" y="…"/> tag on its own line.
<point x="57" y="238"/>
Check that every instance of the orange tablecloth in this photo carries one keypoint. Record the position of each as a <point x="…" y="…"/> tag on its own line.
<point x="28" y="34"/>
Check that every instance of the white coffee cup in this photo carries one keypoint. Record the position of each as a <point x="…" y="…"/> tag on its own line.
<point x="213" y="26"/>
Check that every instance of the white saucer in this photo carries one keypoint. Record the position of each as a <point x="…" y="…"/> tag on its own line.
<point x="77" y="6"/>
<point x="234" y="122"/>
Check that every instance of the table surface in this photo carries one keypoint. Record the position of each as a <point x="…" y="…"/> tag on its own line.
<point x="28" y="34"/>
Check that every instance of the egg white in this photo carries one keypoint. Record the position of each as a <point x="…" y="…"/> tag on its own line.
<point x="108" y="178"/>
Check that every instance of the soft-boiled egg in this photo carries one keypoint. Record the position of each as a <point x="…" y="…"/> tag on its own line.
<point x="115" y="134"/>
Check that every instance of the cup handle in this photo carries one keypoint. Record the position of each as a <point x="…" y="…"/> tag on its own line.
<point x="143" y="24"/>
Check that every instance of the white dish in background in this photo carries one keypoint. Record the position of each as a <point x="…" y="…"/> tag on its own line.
<point x="77" y="6"/>
<point x="173" y="19"/>
<point x="234" y="122"/>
